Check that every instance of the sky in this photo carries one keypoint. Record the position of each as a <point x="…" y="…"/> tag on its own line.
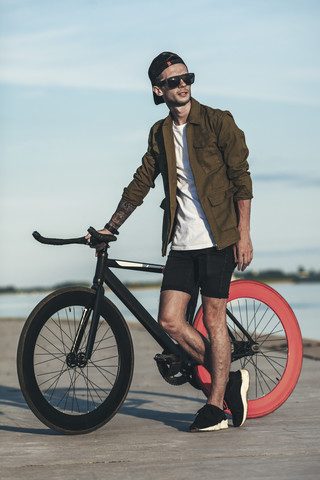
<point x="76" y="108"/>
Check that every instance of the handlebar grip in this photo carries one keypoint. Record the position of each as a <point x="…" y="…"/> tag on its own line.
<point x="101" y="237"/>
<point x="59" y="241"/>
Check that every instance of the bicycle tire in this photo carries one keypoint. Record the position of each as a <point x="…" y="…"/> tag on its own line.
<point x="74" y="399"/>
<point x="274" y="370"/>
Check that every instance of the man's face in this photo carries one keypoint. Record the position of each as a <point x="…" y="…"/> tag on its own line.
<point x="177" y="97"/>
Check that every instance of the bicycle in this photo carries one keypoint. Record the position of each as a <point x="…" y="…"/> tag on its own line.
<point x="75" y="354"/>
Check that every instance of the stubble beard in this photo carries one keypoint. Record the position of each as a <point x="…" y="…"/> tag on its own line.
<point x="179" y="103"/>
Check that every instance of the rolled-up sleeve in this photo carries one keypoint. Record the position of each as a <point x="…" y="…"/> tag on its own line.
<point x="232" y="143"/>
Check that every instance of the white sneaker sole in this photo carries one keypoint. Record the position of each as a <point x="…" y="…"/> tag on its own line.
<point x="219" y="426"/>
<point x="243" y="392"/>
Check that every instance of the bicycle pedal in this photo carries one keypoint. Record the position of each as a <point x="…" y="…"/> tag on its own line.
<point x="169" y="363"/>
<point x="168" y="358"/>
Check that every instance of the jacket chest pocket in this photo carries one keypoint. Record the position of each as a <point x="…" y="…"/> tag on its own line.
<point x="209" y="157"/>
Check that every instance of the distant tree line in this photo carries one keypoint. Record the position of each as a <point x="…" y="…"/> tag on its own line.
<point x="302" y="275"/>
<point x="12" y="289"/>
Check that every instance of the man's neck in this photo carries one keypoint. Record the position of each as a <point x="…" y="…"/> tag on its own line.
<point x="180" y="114"/>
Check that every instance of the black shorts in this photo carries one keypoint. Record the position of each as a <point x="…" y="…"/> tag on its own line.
<point x="209" y="268"/>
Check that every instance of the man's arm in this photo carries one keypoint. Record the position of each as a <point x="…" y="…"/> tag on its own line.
<point x="235" y="152"/>
<point x="123" y="211"/>
<point x="243" y="250"/>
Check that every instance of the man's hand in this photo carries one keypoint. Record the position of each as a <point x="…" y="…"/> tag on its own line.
<point x="99" y="246"/>
<point x="243" y="251"/>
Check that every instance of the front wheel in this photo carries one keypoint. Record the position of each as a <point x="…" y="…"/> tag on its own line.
<point x="65" y="391"/>
<point x="274" y="358"/>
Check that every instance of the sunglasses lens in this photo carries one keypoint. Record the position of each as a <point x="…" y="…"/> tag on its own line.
<point x="174" y="82"/>
<point x="190" y="78"/>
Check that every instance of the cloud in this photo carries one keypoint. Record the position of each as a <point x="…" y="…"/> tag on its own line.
<point x="94" y="45"/>
<point x="65" y="57"/>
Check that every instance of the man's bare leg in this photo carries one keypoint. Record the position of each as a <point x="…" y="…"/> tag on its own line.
<point x="214" y="310"/>
<point x="216" y="355"/>
<point x="172" y="311"/>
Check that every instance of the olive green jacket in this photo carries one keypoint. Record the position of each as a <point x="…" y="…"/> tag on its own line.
<point x="217" y="154"/>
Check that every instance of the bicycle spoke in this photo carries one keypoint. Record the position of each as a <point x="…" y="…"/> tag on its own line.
<point x="273" y="363"/>
<point x="52" y="344"/>
<point x="60" y="330"/>
<point x="48" y="355"/>
<point x="66" y="394"/>
<point x="96" y="388"/>
<point x="101" y="370"/>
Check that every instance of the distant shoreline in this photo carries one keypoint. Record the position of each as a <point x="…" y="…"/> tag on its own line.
<point x="39" y="290"/>
<point x="148" y="286"/>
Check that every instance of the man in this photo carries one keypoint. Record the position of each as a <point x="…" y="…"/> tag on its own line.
<point x="201" y="155"/>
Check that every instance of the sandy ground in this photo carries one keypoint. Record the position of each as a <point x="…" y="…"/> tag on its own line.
<point x="149" y="437"/>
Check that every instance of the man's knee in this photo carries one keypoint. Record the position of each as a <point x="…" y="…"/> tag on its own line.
<point x="167" y="321"/>
<point x="214" y="312"/>
<point x="172" y="310"/>
<point x="214" y="306"/>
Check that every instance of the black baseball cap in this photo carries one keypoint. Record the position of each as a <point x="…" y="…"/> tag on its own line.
<point x="160" y="63"/>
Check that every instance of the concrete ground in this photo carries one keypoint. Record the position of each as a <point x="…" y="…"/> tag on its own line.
<point x="149" y="437"/>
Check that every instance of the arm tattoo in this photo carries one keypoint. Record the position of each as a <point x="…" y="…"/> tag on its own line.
<point x="124" y="210"/>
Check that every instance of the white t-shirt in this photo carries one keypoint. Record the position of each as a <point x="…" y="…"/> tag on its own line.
<point x="192" y="230"/>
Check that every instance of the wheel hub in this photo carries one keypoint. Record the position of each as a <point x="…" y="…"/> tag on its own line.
<point x="242" y="349"/>
<point x="255" y="348"/>
<point x="76" y="360"/>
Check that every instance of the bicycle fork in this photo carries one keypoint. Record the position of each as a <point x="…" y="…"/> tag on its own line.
<point x="74" y="357"/>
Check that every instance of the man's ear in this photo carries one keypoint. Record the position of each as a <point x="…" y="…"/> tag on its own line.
<point x="157" y="90"/>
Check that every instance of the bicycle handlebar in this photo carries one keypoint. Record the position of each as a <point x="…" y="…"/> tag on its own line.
<point x="95" y="239"/>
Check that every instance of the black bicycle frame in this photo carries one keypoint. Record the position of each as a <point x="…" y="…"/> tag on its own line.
<point x="138" y="310"/>
<point x="104" y="274"/>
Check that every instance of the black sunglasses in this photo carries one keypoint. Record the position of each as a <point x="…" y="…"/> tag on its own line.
<point x="174" y="82"/>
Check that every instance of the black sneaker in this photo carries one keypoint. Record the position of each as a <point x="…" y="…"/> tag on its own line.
<point x="236" y="396"/>
<point x="208" y="419"/>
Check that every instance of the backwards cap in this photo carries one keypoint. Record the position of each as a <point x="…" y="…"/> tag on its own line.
<point x="160" y="63"/>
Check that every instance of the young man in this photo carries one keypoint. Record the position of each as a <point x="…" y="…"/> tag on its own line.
<point x="201" y="155"/>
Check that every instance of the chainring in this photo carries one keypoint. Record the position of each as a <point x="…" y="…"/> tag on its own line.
<point x="173" y="370"/>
